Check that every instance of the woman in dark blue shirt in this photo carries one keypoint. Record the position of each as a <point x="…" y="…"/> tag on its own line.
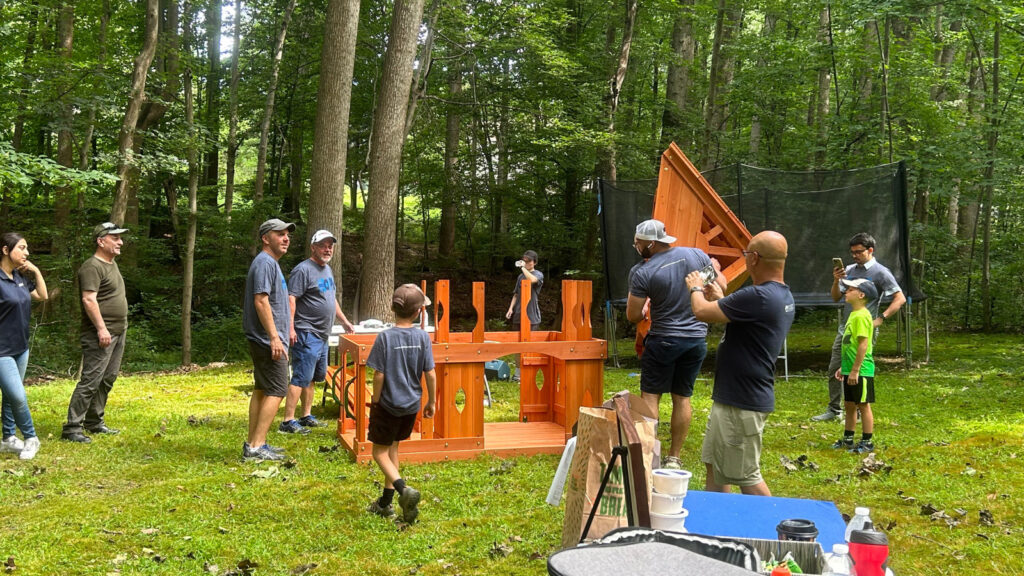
<point x="20" y="283"/>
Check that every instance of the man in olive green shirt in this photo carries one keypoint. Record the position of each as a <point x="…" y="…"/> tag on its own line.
<point x="104" y="325"/>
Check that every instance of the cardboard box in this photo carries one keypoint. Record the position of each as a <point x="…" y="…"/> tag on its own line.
<point x="809" y="555"/>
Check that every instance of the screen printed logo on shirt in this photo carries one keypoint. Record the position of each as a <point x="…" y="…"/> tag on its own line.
<point x="325" y="285"/>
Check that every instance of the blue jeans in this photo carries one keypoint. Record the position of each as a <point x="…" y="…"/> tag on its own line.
<point x="15" y="403"/>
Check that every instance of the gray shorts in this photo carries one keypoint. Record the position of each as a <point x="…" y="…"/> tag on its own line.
<point x="269" y="375"/>
<point x="732" y="444"/>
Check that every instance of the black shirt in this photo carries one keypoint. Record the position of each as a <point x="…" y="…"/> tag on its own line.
<point x="759" y="319"/>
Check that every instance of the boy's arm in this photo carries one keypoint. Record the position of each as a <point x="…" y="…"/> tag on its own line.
<point x="428" y="410"/>
<point x="378" y="386"/>
<point x="862" y="351"/>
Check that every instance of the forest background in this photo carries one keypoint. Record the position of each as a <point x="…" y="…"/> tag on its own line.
<point x="443" y="138"/>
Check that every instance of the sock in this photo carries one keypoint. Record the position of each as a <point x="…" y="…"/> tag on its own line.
<point x="399" y="485"/>
<point x="848" y="436"/>
<point x="865" y="438"/>
<point x="385" y="500"/>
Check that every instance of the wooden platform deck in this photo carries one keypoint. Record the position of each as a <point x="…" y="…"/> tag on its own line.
<point x="500" y="439"/>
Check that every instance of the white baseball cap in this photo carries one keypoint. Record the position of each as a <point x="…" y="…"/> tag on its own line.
<point x="321" y="235"/>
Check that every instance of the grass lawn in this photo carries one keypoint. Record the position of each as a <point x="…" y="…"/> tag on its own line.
<point x="169" y="495"/>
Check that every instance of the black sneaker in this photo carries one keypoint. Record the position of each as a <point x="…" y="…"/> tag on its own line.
<point x="310" y="421"/>
<point x="76" y="437"/>
<point x="843" y="444"/>
<point x="292" y="427"/>
<point x="382" y="511"/>
<point x="104" y="429"/>
<point x="863" y="447"/>
<point x="408" y="501"/>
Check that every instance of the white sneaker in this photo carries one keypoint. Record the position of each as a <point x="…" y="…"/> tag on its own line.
<point x="12" y="444"/>
<point x="30" y="449"/>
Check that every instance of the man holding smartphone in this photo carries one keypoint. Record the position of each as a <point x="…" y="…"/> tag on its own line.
<point x="675" y="347"/>
<point x="862" y="249"/>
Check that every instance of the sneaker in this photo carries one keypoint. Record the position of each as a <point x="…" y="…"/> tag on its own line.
<point x="863" y="447"/>
<point x="262" y="453"/>
<point x="843" y="444"/>
<point x="382" y="511"/>
<point x="12" y="444"/>
<point x="292" y="427"/>
<point x="30" y="449"/>
<point x="409" y="501"/>
<point x="104" y="429"/>
<point x="310" y="421"/>
<point x="825" y="416"/>
<point x="672" y="463"/>
<point x="273" y="448"/>
<point x="76" y="437"/>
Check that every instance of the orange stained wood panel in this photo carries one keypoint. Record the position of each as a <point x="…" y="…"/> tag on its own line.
<point x="525" y="295"/>
<point x="453" y="420"/>
<point x="479" y="307"/>
<point x="441" y="315"/>
<point x="697" y="216"/>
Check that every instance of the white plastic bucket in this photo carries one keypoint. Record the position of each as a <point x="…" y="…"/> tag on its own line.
<point x="669" y="481"/>
<point x="666" y="503"/>
<point x="670" y="522"/>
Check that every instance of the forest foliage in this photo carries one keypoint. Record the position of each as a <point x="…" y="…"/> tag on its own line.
<point x="514" y="109"/>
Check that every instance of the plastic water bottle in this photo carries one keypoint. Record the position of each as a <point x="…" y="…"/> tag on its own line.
<point x="838" y="561"/>
<point x="861" y="516"/>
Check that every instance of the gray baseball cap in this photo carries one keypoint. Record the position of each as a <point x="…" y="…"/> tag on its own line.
<point x="276" y="225"/>
<point x="864" y="285"/>
<point x="102" y="230"/>
<point x="653" y="230"/>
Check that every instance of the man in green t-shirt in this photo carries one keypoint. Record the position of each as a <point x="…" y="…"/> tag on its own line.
<point x="104" y="325"/>
<point x="857" y="371"/>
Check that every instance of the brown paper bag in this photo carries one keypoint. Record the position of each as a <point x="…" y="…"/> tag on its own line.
<point x="597" y="433"/>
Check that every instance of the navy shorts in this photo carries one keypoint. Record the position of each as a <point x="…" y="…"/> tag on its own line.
<point x="386" y="428"/>
<point x="309" y="359"/>
<point x="862" y="392"/>
<point x="671" y="364"/>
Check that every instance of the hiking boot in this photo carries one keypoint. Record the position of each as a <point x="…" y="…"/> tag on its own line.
<point x="76" y="437"/>
<point x="310" y="421"/>
<point x="672" y="463"/>
<point x="30" y="449"/>
<point x="843" y="444"/>
<point x="103" y="429"/>
<point x="826" y="416"/>
<point x="12" y="444"/>
<point x="382" y="511"/>
<point x="292" y="427"/>
<point x="263" y="453"/>
<point x="408" y="501"/>
<point x="863" y="447"/>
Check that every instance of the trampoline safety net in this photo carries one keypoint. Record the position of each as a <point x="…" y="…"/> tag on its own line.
<point x="817" y="212"/>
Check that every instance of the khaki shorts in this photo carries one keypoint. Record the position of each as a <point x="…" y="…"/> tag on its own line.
<point x="732" y="444"/>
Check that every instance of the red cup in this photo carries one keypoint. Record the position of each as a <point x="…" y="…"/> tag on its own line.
<point x="869" y="550"/>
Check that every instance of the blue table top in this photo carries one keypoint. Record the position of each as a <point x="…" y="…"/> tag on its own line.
<point x="743" y="516"/>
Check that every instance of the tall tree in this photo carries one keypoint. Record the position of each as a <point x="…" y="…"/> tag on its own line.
<point x="727" y="24"/>
<point x="677" y="78"/>
<point x="232" y="151"/>
<point x="330" y="131"/>
<point x="65" y="149"/>
<point x="188" y="265"/>
<point x="268" y="110"/>
<point x="606" y="162"/>
<point x="136" y="97"/>
<point x="378" y="274"/>
<point x="212" y="160"/>
<point x="452" y="188"/>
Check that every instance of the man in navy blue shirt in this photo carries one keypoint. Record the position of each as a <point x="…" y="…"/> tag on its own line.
<point x="757" y="320"/>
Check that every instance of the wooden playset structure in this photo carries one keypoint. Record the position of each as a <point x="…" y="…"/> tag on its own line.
<point x="570" y="364"/>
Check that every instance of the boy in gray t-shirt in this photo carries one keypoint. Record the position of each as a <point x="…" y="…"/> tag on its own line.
<point x="400" y="356"/>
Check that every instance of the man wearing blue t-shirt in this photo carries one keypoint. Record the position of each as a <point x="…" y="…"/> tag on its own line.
<point x="266" y="321"/>
<point x="862" y="250"/>
<point x="314" y="306"/>
<point x="674" y="348"/>
<point x="757" y="319"/>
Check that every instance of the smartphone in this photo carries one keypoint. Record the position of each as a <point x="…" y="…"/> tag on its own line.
<point x="708" y="274"/>
<point x="838" y="263"/>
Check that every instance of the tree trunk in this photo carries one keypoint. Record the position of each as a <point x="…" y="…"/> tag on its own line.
<point x="989" y="188"/>
<point x="606" y="158"/>
<point x="824" y="89"/>
<point x="125" y="158"/>
<point x="378" y="274"/>
<point x="727" y="23"/>
<point x="65" y="149"/>
<point x="419" y="83"/>
<point x="212" y="160"/>
<point x="84" y="158"/>
<point x="755" y="122"/>
<point x="330" y="133"/>
<point x="268" y="110"/>
<point x="677" y="79"/>
<point x="190" y="239"/>
<point x="452" y="189"/>
<point x="295" y="147"/>
<point x="232" y="151"/>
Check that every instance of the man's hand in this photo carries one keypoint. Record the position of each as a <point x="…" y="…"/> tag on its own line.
<point x="520" y="263"/>
<point x="277" y="349"/>
<point x="428" y="410"/>
<point x="717" y="265"/>
<point x="693" y="280"/>
<point x="713" y="291"/>
<point x="839" y="374"/>
<point x="838" y="273"/>
<point x="292" y="336"/>
<point x="508" y="315"/>
<point x="878" y="321"/>
<point x="104" y="337"/>
<point x="854" y="377"/>
<point x="646" y="310"/>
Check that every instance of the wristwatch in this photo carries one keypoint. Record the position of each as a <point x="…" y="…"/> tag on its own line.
<point x="696" y="289"/>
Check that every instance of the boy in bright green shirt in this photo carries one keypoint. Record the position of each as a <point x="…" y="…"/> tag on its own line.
<point x="857" y="371"/>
